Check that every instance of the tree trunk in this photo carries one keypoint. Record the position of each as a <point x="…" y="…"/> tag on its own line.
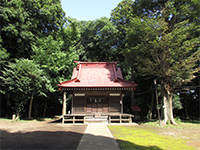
<point x="45" y="108"/>
<point x="30" y="107"/>
<point x="35" y="108"/>
<point x="185" y="108"/>
<point x="151" y="108"/>
<point x="17" y="116"/>
<point x="168" y="109"/>
<point x="8" y="108"/>
<point x="171" y="110"/>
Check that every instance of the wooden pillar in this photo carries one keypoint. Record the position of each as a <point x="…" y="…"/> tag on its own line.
<point x="132" y="97"/>
<point x="64" y="104"/>
<point x="121" y="102"/>
<point x="72" y="104"/>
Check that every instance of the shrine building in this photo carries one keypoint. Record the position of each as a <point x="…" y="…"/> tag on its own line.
<point x="97" y="90"/>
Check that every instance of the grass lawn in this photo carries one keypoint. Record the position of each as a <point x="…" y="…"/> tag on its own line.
<point x="134" y="137"/>
<point x="189" y="124"/>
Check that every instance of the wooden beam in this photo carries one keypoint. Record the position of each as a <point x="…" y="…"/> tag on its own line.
<point x="64" y="104"/>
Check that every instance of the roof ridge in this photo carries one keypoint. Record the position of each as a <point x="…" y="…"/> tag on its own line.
<point x="101" y="62"/>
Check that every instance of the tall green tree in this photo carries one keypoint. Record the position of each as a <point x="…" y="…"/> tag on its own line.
<point x="120" y="17"/>
<point x="23" y="80"/>
<point x="55" y="63"/>
<point x="163" y="42"/>
<point x="71" y="34"/>
<point x="3" y="61"/>
<point x="34" y="29"/>
<point x="22" y="21"/>
<point x="98" y="41"/>
<point x="169" y="57"/>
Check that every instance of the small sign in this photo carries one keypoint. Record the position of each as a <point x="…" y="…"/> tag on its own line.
<point x="114" y="94"/>
<point x="97" y="115"/>
<point x="79" y="94"/>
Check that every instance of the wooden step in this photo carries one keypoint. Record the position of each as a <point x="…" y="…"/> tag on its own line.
<point x="96" y="120"/>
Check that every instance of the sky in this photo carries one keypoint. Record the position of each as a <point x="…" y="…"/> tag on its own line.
<point x="88" y="9"/>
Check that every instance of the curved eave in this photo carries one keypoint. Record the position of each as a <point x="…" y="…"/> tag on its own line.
<point x="97" y="88"/>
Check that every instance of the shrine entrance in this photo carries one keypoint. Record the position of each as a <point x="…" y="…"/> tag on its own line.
<point x="96" y="104"/>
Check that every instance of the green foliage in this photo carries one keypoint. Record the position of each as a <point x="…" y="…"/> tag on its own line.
<point x="161" y="53"/>
<point x="176" y="102"/>
<point x="121" y="16"/>
<point x="58" y="65"/>
<point x="98" y="40"/>
<point x="161" y="40"/>
<point x="71" y="33"/>
<point x="23" y="79"/>
<point x="3" y="60"/>
<point x="3" y="57"/>
<point x="24" y="20"/>
<point x="178" y="120"/>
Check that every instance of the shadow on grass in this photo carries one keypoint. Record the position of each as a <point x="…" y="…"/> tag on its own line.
<point x="147" y="121"/>
<point x="126" y="145"/>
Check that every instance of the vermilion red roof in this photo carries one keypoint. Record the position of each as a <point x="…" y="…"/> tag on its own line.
<point x="97" y="75"/>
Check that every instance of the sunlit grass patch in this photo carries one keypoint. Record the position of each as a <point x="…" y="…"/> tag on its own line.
<point x="180" y="125"/>
<point x="137" y="138"/>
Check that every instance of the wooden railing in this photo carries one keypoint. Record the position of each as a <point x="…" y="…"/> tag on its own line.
<point x="73" y="118"/>
<point x="120" y="118"/>
<point x="112" y="118"/>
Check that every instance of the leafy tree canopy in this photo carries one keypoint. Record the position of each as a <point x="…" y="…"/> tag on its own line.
<point x="22" y="21"/>
<point x="56" y="64"/>
<point x="23" y="80"/>
<point x="98" y="40"/>
<point x="162" y="41"/>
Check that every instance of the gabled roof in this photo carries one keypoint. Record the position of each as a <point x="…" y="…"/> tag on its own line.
<point x="97" y="75"/>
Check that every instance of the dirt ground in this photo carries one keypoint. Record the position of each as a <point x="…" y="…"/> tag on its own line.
<point x="39" y="135"/>
<point x="51" y="134"/>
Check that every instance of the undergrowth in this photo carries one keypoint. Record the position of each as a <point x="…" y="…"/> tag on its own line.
<point x="181" y="124"/>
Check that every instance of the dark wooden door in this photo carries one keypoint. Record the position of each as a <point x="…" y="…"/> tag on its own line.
<point x="97" y="104"/>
